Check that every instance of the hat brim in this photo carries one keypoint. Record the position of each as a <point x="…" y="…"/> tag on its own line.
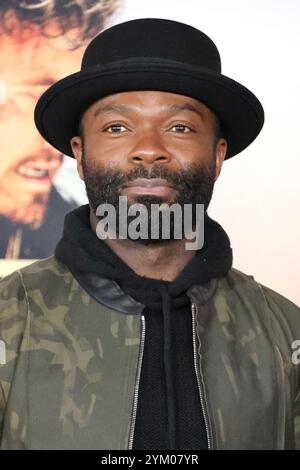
<point x="59" y="109"/>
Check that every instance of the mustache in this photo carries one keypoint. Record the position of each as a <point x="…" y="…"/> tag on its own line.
<point x="194" y="183"/>
<point x="180" y="179"/>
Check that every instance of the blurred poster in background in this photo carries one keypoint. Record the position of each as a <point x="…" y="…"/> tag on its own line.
<point x="257" y="197"/>
<point x="41" y="41"/>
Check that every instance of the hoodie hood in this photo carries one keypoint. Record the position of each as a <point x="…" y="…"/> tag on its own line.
<point x="82" y="251"/>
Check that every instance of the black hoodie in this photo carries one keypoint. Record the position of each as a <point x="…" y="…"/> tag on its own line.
<point x="169" y="413"/>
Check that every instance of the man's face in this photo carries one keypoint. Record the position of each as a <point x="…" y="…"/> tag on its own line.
<point x="153" y="147"/>
<point x="27" y="163"/>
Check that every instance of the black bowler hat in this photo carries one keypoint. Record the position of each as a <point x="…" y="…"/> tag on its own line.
<point x="150" y="54"/>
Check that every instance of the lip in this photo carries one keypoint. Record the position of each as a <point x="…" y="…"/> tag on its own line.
<point x="37" y="171"/>
<point x="156" y="186"/>
<point x="148" y="183"/>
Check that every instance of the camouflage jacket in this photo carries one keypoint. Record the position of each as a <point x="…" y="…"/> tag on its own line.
<point x="71" y="357"/>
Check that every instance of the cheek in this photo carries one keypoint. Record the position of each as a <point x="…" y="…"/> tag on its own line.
<point x="16" y="128"/>
<point x="19" y="140"/>
<point x="106" y="153"/>
<point x="12" y="148"/>
<point x="191" y="152"/>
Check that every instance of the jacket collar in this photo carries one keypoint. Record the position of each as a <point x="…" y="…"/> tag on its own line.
<point x="101" y="272"/>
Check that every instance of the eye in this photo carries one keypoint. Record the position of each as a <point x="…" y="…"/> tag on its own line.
<point x="115" y="129"/>
<point x="181" y="128"/>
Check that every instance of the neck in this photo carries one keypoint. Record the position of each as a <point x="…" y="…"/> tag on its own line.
<point x="163" y="261"/>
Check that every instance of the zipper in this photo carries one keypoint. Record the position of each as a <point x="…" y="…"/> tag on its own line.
<point x="137" y="382"/>
<point x="201" y="392"/>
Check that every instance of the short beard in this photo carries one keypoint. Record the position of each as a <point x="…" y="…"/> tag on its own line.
<point x="194" y="186"/>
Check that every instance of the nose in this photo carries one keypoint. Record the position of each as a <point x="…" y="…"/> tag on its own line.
<point x="46" y="151"/>
<point x="149" y="148"/>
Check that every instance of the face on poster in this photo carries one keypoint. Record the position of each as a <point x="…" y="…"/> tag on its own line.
<point x="40" y="43"/>
<point x="256" y="198"/>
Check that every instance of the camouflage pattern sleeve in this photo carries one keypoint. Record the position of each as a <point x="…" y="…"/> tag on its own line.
<point x="13" y="318"/>
<point x="288" y="316"/>
<point x="297" y="422"/>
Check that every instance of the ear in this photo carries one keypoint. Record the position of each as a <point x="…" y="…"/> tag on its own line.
<point x="221" y="150"/>
<point x="77" y="149"/>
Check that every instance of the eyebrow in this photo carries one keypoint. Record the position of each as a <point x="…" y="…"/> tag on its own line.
<point x="186" y="107"/>
<point x="39" y="82"/>
<point x="113" y="108"/>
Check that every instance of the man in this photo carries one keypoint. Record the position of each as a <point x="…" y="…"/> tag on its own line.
<point x="40" y="42"/>
<point x="137" y="342"/>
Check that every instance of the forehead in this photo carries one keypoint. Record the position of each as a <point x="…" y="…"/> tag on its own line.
<point x="147" y="100"/>
<point x="36" y="55"/>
